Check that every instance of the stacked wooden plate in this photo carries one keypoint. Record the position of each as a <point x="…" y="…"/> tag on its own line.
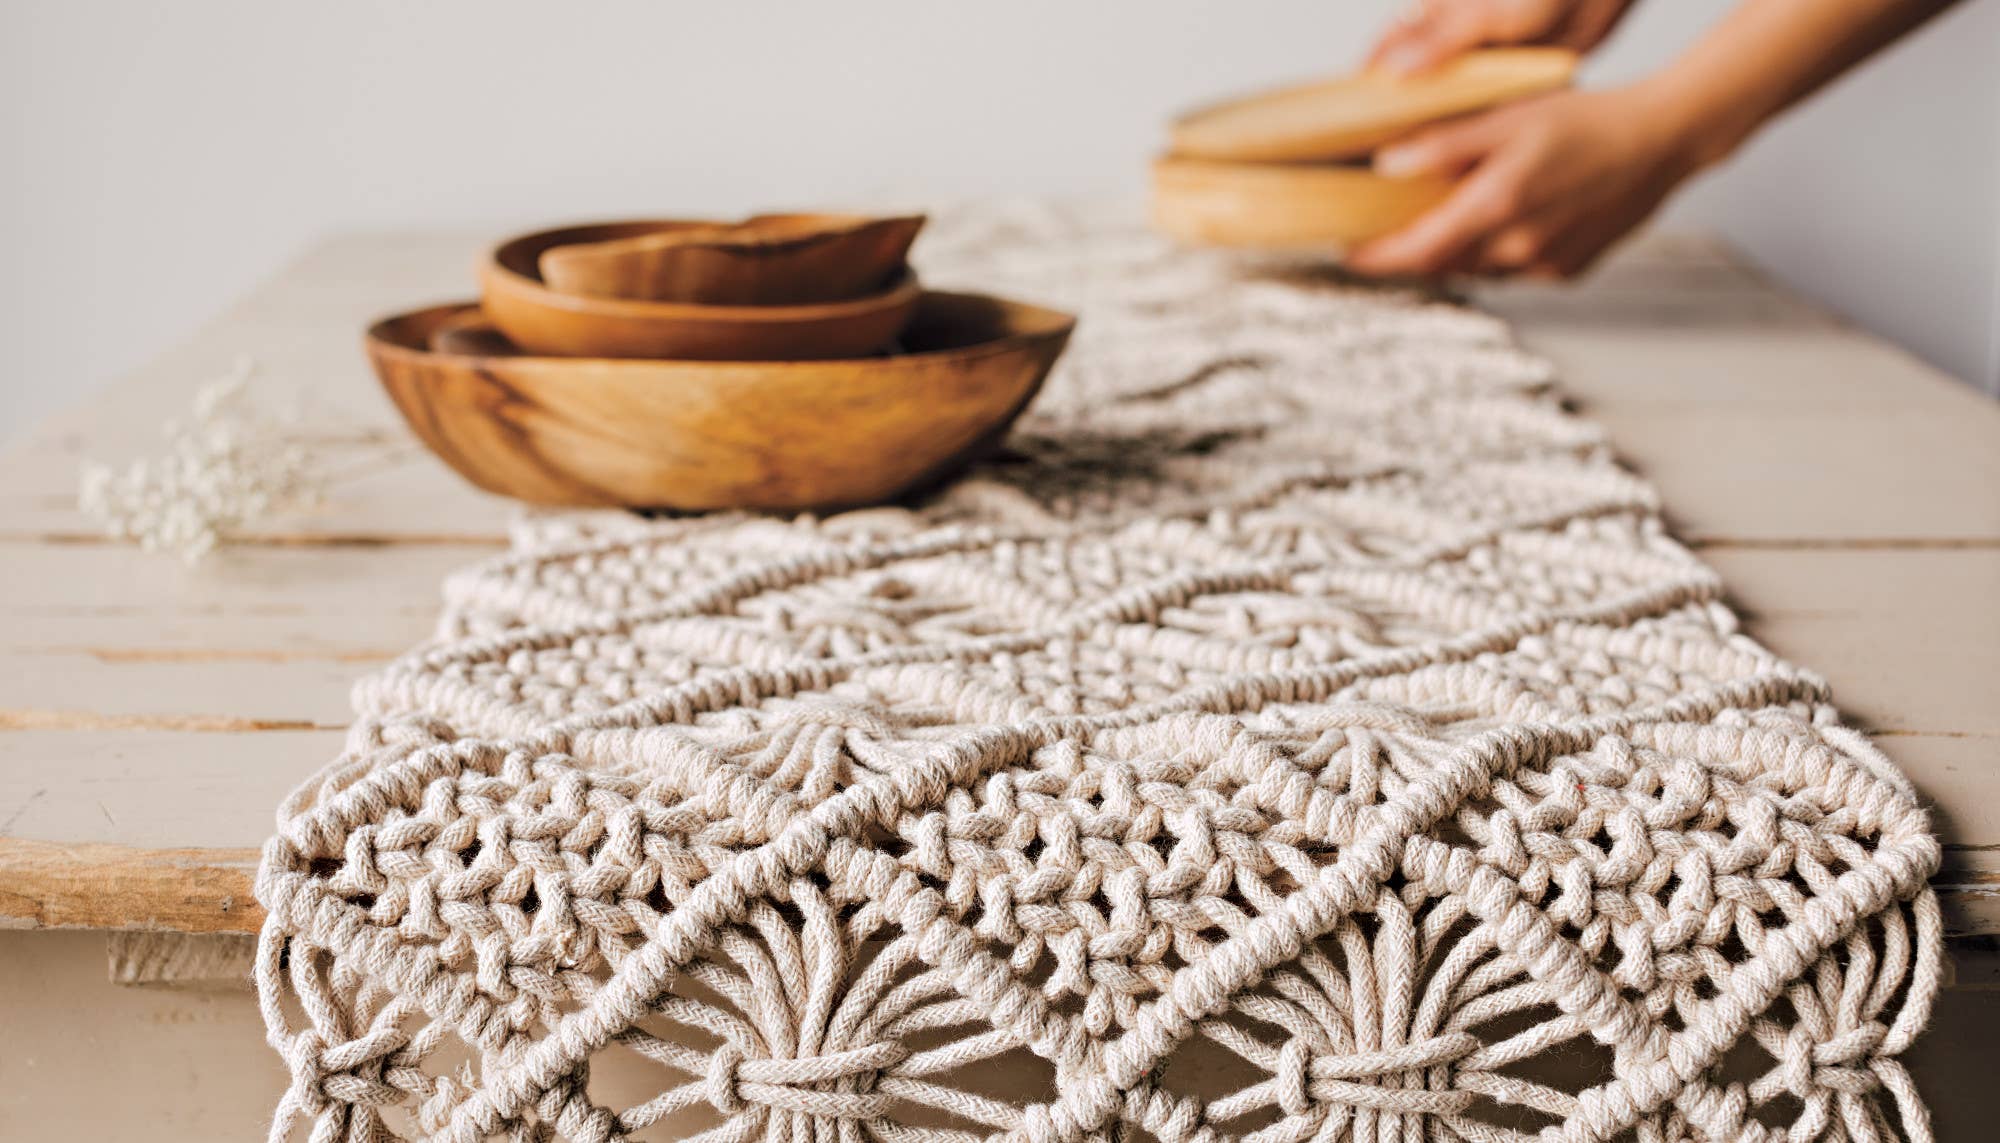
<point x="1289" y="168"/>
<point x="786" y="362"/>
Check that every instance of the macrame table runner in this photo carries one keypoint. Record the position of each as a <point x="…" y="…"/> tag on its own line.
<point x="1302" y="731"/>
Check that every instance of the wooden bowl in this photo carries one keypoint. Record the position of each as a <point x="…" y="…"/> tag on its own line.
<point x="691" y="435"/>
<point x="772" y="259"/>
<point x="1284" y="205"/>
<point x="546" y="321"/>
<point x="1353" y="115"/>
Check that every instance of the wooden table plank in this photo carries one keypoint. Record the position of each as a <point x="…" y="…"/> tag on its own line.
<point x="1772" y="432"/>
<point x="270" y="635"/>
<point x="114" y="597"/>
<point x="1816" y="477"/>
<point x="153" y="788"/>
<point x="50" y="885"/>
<point x="1849" y="495"/>
<point x="1910" y="638"/>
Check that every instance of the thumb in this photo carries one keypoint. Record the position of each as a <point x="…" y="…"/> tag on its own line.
<point x="1445" y="150"/>
<point x="1441" y="32"/>
<point x="1425" y="43"/>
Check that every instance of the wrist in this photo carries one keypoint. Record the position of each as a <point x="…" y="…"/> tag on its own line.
<point x="1701" y="125"/>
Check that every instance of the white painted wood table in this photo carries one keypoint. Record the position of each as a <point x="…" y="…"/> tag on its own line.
<point x="152" y="716"/>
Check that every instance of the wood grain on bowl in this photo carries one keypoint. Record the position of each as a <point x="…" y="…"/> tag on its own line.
<point x="547" y="321"/>
<point x="771" y="259"/>
<point x="1284" y="205"/>
<point x="695" y="435"/>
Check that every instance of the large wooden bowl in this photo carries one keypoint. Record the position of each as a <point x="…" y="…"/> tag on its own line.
<point x="546" y="321"/>
<point x="1284" y="205"/>
<point x="691" y="435"/>
<point x="771" y="259"/>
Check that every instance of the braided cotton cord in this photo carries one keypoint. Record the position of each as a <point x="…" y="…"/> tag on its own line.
<point x="1304" y="731"/>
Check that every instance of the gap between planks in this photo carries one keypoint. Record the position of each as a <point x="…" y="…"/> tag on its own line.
<point x="178" y="723"/>
<point x="485" y="540"/>
<point x="365" y="655"/>
<point x="1943" y="544"/>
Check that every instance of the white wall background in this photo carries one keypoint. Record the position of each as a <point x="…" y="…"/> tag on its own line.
<point x="162" y="157"/>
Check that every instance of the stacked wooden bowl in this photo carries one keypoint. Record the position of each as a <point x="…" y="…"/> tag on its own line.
<point x="782" y="363"/>
<point x="1290" y="168"/>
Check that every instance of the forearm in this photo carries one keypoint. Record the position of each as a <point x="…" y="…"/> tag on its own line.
<point x="1767" y="55"/>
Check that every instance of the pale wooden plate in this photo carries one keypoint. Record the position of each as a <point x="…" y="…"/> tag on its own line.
<point x="1353" y="115"/>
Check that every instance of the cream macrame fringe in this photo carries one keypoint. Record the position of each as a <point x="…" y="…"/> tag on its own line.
<point x="1303" y="731"/>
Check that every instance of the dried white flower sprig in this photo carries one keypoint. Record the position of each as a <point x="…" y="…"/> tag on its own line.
<point x="228" y="465"/>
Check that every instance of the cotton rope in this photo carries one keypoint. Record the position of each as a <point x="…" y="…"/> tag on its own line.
<point x="1302" y="730"/>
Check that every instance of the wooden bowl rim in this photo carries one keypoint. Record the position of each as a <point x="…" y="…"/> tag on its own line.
<point x="833" y="224"/>
<point x="1045" y="324"/>
<point x="904" y="288"/>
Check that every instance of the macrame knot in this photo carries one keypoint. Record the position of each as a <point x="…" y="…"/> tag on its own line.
<point x="1842" y="1063"/>
<point x="799" y="1085"/>
<point x="722" y="1080"/>
<point x="1302" y="1078"/>
<point x="837" y="715"/>
<point x="1038" y="1124"/>
<point x="323" y="1076"/>
<point x="1293" y="1058"/>
<point x="435" y="1110"/>
<point x="304" y="1058"/>
<point x="341" y="1068"/>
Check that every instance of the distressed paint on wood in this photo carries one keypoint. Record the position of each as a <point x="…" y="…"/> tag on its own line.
<point x="50" y="885"/>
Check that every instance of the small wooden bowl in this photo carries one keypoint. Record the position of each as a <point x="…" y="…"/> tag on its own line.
<point x="469" y="334"/>
<point x="772" y="259"/>
<point x="1351" y="116"/>
<point x="691" y="435"/>
<point x="1284" y="205"/>
<point x="546" y="321"/>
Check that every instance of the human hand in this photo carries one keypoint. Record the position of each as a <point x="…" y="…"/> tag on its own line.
<point x="1441" y="29"/>
<point x="1549" y="183"/>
